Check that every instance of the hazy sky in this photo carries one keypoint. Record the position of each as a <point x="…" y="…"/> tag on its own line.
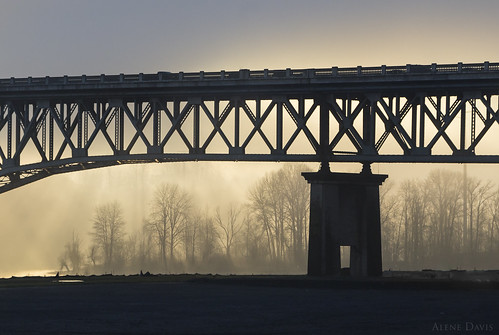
<point x="49" y="37"/>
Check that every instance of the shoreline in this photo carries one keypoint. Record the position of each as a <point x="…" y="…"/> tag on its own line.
<point x="426" y="279"/>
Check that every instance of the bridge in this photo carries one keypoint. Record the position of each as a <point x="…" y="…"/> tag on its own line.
<point x="411" y="113"/>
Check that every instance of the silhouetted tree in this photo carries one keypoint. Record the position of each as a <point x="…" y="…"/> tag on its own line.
<point x="493" y="238"/>
<point x="108" y="232"/>
<point x="190" y="237"/>
<point x="208" y="237"/>
<point x="252" y="240"/>
<point x="279" y="203"/>
<point x="391" y="224"/>
<point x="479" y="194"/>
<point x="229" y="227"/>
<point x="145" y="249"/>
<point x="296" y="192"/>
<point x="169" y="213"/>
<point x="444" y="203"/>
<point x="429" y="227"/>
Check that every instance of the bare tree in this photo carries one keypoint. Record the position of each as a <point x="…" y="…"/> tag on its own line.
<point x="390" y="224"/>
<point x="444" y="204"/>
<point x="259" y="205"/>
<point x="252" y="238"/>
<point x="208" y="237"/>
<point x="168" y="216"/>
<point x="190" y="237"/>
<point x="434" y="230"/>
<point x="230" y="226"/>
<point x="279" y="203"/>
<point x="479" y="193"/>
<point x="414" y="213"/>
<point x="145" y="249"/>
<point x="108" y="232"/>
<point x="493" y="239"/>
<point x="296" y="193"/>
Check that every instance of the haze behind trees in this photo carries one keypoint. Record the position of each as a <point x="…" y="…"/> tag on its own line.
<point x="425" y="224"/>
<point x="267" y="234"/>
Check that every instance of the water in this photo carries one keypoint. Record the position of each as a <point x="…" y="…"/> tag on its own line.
<point x="29" y="273"/>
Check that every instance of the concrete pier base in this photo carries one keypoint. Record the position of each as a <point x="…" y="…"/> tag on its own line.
<point x="344" y="211"/>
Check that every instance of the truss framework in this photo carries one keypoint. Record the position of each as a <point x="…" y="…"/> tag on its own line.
<point x="41" y="136"/>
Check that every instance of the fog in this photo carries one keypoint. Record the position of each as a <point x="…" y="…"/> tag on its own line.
<point x="38" y="219"/>
<point x="71" y="37"/>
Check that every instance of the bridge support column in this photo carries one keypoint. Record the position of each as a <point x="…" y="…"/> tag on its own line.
<point x="344" y="211"/>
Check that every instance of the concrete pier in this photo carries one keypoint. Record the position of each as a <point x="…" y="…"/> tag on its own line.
<point x="344" y="211"/>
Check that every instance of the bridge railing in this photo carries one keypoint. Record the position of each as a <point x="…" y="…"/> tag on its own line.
<point x="258" y="74"/>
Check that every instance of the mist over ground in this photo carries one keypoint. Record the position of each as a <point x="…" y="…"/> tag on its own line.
<point x="47" y="213"/>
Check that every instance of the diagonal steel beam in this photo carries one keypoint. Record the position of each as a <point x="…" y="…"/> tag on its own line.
<point x="176" y="124"/>
<point x="346" y="125"/>
<point x="257" y="124"/>
<point x="217" y="126"/>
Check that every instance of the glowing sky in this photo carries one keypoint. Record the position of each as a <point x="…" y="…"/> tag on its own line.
<point x="54" y="37"/>
<point x="57" y="37"/>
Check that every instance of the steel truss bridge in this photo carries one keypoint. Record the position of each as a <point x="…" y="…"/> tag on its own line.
<point x="412" y="113"/>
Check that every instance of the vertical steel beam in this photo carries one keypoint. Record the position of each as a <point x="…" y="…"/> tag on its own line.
<point x="196" y="129"/>
<point x="85" y="128"/>
<point x="18" y="126"/>
<point x="258" y="110"/>
<point x="236" y="122"/>
<point x="301" y="107"/>
<point x="44" y="131"/>
<point x="137" y="111"/>
<point x="51" y="136"/>
<point x="366" y="122"/>
<point x="155" y="122"/>
<point x="421" y="120"/>
<point x="116" y="128"/>
<point x="80" y="130"/>
<point x="439" y="109"/>
<point x="372" y="125"/>
<point x="98" y="112"/>
<point x="176" y="108"/>
<point x="121" y="128"/>
<point x="216" y="110"/>
<point x="463" y="126"/>
<point x="473" y="123"/>
<point x="61" y="115"/>
<point x="397" y="106"/>
<point x="279" y="132"/>
<point x="67" y="119"/>
<point x="9" y="132"/>
<point x="414" y="125"/>
<point x="369" y="123"/>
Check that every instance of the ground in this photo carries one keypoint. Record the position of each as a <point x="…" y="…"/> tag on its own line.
<point x="398" y="303"/>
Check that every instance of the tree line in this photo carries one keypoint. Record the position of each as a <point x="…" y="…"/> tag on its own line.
<point x="445" y="221"/>
<point x="266" y="234"/>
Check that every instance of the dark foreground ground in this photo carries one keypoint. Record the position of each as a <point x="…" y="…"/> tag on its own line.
<point x="399" y="303"/>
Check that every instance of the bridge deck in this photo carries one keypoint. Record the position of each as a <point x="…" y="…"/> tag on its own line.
<point x="289" y="81"/>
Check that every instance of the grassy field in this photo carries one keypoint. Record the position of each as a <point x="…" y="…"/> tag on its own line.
<point x="424" y="302"/>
